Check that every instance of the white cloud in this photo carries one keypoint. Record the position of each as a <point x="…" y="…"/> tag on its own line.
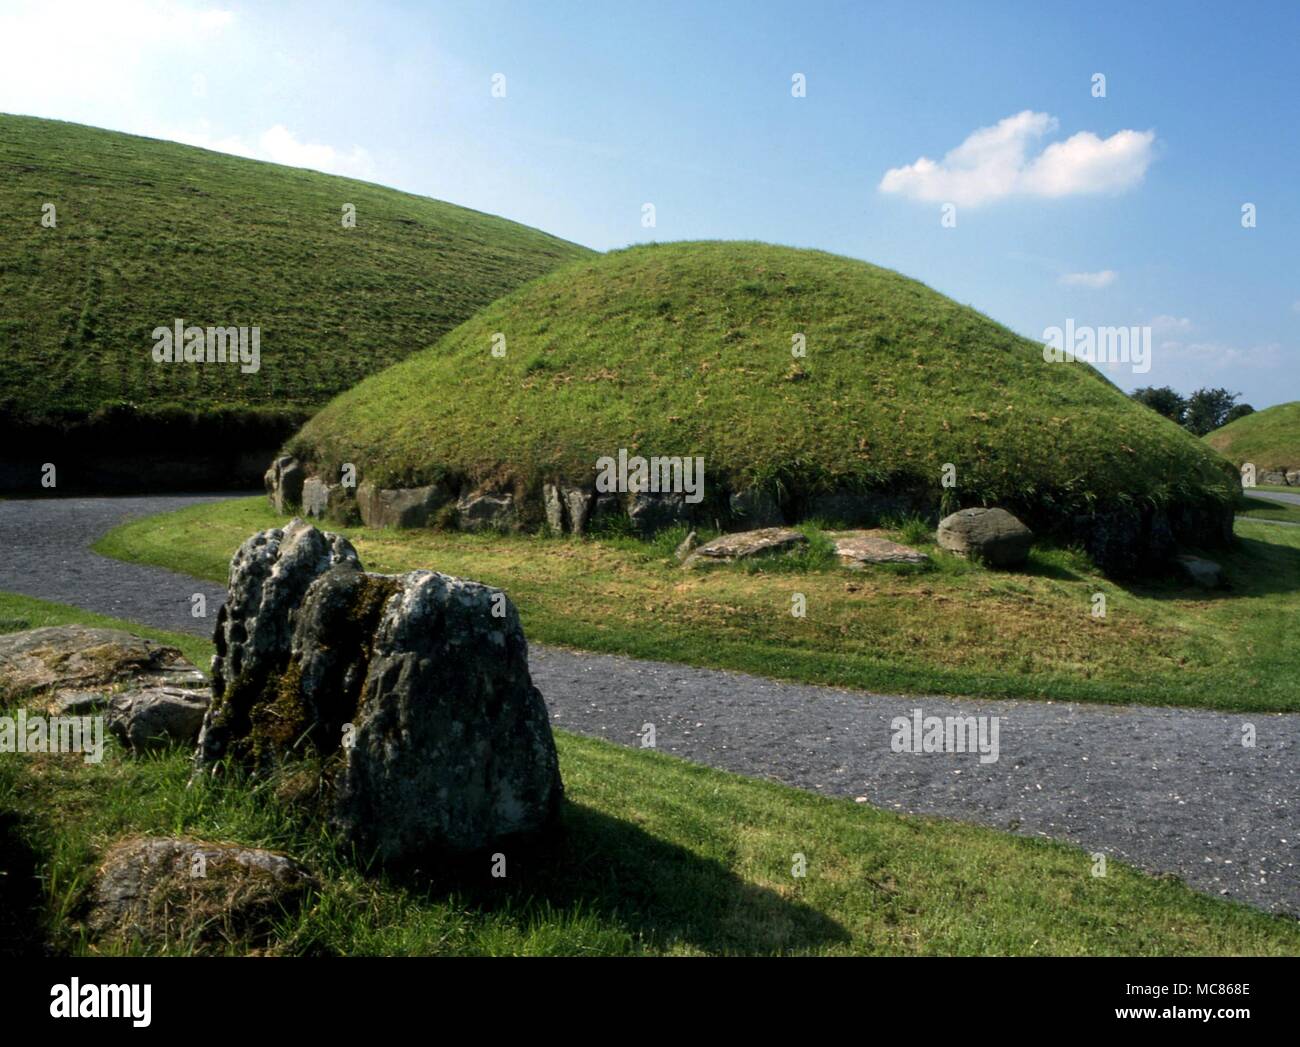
<point x="113" y="65"/>
<point x="280" y="145"/>
<point x="1164" y="323"/>
<point x="1095" y="281"/>
<point x="994" y="162"/>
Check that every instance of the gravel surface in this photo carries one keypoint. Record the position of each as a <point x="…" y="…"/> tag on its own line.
<point x="1169" y="790"/>
<point x="1275" y="496"/>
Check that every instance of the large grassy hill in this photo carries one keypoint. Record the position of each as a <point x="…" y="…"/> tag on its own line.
<point x="149" y="231"/>
<point x="1269" y="438"/>
<point x="686" y="349"/>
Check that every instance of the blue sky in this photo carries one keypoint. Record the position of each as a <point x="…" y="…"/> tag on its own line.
<point x="1122" y="210"/>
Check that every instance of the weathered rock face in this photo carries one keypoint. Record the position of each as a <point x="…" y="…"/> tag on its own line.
<point x="990" y="536"/>
<point x="63" y="660"/>
<point x="1293" y="477"/>
<point x="453" y="747"/>
<point x="284" y="483"/>
<point x="745" y="544"/>
<point x="1275" y="477"/>
<point x="487" y="511"/>
<point x="169" y="891"/>
<point x="269" y="577"/>
<point x="401" y="506"/>
<point x="414" y="689"/>
<point x="860" y="549"/>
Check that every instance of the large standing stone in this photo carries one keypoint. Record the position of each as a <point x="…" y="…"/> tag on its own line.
<point x="269" y="576"/>
<point x="1293" y="477"/>
<point x="284" y="483"/>
<point x="990" y="536"/>
<point x="453" y="747"/>
<point x="415" y="689"/>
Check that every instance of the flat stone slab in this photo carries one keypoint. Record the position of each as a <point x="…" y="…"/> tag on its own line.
<point x="744" y="544"/>
<point x="859" y="549"/>
<point x="70" y="658"/>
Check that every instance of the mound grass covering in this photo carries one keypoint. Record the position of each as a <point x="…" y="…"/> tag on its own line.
<point x="654" y="856"/>
<point x="150" y="231"/>
<point x="1269" y="438"/>
<point x="686" y="349"/>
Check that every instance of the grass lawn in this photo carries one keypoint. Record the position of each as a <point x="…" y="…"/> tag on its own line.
<point x="1269" y="438"/>
<point x="952" y="628"/>
<point x="148" y="231"/>
<point x="655" y="856"/>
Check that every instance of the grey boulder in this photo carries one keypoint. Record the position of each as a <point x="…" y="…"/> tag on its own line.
<point x="989" y="536"/>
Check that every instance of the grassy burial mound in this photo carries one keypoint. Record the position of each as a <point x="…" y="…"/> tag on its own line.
<point x="1269" y="439"/>
<point x="105" y="237"/>
<point x="805" y="385"/>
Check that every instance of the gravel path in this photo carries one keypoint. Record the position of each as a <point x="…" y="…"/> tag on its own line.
<point x="1275" y="496"/>
<point x="1171" y="791"/>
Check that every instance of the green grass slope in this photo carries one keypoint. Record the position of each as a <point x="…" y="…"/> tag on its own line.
<point x="149" y="231"/>
<point x="686" y="349"/>
<point x="1269" y="438"/>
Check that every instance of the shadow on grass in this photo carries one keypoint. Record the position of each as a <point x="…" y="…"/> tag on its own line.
<point x="658" y="891"/>
<point x="20" y="892"/>
<point x="1252" y="567"/>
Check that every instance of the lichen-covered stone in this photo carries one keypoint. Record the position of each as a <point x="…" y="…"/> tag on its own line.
<point x="990" y="536"/>
<point x="269" y="577"/>
<point x="413" y="689"/>
<point x="452" y="748"/>
<point x="171" y="891"/>
<point x="62" y="660"/>
<point x="401" y="506"/>
<point x="860" y="549"/>
<point x="157" y="717"/>
<point x="284" y="482"/>
<point x="745" y="544"/>
<point x="487" y="511"/>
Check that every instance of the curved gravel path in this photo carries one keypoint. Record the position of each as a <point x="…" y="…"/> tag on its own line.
<point x="1169" y="790"/>
<point x="1275" y="496"/>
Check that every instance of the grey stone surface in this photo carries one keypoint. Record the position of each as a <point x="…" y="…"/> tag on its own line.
<point x="419" y="681"/>
<point x="745" y="544"/>
<point x="400" y="506"/>
<point x="486" y="511"/>
<point x="991" y="536"/>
